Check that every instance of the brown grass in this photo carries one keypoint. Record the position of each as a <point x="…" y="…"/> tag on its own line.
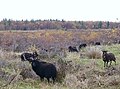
<point x="74" y="71"/>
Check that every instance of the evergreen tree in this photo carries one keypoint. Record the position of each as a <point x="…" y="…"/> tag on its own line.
<point x="108" y="25"/>
<point x="100" y="24"/>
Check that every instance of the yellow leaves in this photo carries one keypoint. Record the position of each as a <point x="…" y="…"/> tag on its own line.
<point x="61" y="32"/>
<point x="47" y="34"/>
<point x="59" y="36"/>
<point x="93" y="35"/>
<point x="113" y="30"/>
<point x="32" y="48"/>
<point x="89" y="36"/>
<point x="69" y="35"/>
<point x="30" y="36"/>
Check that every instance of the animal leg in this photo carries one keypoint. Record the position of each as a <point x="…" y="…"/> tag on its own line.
<point x="53" y="79"/>
<point x="107" y="64"/>
<point x="104" y="64"/>
<point x="110" y="63"/>
<point x="115" y="62"/>
<point x="41" y="78"/>
<point x="48" y="80"/>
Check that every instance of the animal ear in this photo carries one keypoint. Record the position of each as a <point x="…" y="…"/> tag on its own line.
<point x="104" y="50"/>
<point x="35" y="53"/>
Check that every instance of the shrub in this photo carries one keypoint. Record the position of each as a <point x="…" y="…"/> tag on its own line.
<point x="93" y="53"/>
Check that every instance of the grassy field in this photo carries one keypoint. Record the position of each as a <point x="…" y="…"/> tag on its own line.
<point x="79" y="69"/>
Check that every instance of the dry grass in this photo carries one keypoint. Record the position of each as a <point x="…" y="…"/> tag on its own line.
<point x="22" y="40"/>
<point x="74" y="72"/>
<point x="93" y="52"/>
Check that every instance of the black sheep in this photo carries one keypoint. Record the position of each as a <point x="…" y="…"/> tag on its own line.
<point x="72" y="49"/>
<point x="97" y="43"/>
<point x="82" y="45"/>
<point x="28" y="56"/>
<point x="44" y="70"/>
<point x="108" y="57"/>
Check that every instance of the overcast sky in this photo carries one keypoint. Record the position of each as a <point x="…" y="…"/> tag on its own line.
<point x="92" y="10"/>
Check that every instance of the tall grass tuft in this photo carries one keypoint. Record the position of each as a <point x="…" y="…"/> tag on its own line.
<point x="93" y="53"/>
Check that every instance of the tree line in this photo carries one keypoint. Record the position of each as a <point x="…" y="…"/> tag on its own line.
<point x="8" y="24"/>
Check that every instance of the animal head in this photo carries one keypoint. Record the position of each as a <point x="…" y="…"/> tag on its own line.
<point x="104" y="51"/>
<point x="29" y="56"/>
<point x="35" y="54"/>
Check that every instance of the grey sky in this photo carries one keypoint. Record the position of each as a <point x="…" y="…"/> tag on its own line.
<point x="60" y="9"/>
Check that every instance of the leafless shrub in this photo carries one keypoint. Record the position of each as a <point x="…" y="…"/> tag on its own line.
<point x="71" y="73"/>
<point x="93" y="53"/>
<point x="28" y="73"/>
<point x="61" y="68"/>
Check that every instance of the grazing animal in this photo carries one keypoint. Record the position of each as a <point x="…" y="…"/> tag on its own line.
<point x="118" y="41"/>
<point x="44" y="50"/>
<point x="82" y="45"/>
<point x="72" y="49"/>
<point x="108" y="57"/>
<point x="44" y="70"/>
<point x="97" y="43"/>
<point x="28" y="56"/>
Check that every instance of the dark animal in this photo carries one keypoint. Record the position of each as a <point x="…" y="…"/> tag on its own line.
<point x="72" y="49"/>
<point x="44" y="70"/>
<point x="97" y="43"/>
<point x="28" y="56"/>
<point x="108" y="57"/>
<point x="82" y="45"/>
<point x="44" y="50"/>
<point x="118" y="41"/>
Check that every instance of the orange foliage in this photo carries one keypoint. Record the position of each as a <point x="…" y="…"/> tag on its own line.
<point x="51" y="36"/>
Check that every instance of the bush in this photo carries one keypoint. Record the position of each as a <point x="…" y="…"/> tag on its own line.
<point x="93" y="53"/>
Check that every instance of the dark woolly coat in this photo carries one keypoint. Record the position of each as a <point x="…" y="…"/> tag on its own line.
<point x="44" y="69"/>
<point x="72" y="49"/>
<point x="82" y="45"/>
<point x="97" y="43"/>
<point x="108" y="57"/>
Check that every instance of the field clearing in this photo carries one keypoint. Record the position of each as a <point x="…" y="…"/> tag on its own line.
<point x="82" y="70"/>
<point x="81" y="73"/>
